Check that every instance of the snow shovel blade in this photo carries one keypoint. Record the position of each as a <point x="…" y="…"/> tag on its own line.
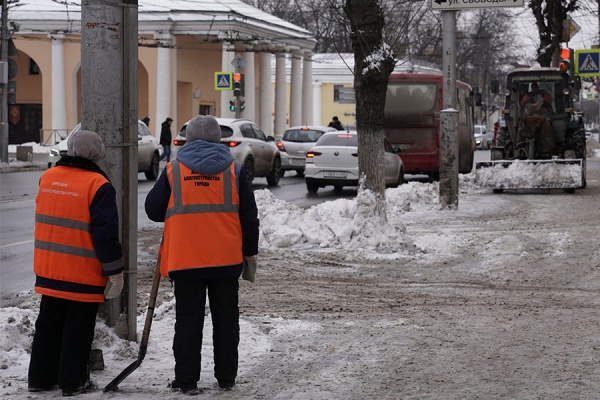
<point x="113" y="385"/>
<point x="531" y="174"/>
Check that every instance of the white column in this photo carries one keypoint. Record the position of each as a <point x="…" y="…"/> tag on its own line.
<point x="317" y="113"/>
<point x="227" y="56"/>
<point x="265" y="105"/>
<point x="307" y="95"/>
<point x="59" y="98"/>
<point x="296" y="90"/>
<point x="174" y="106"/>
<point x="164" y="80"/>
<point x="249" y="87"/>
<point x="280" y="94"/>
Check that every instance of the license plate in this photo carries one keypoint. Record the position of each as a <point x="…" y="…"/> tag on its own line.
<point x="297" y="161"/>
<point x="335" y="174"/>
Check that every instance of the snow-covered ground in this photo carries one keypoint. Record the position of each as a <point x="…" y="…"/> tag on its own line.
<point x="337" y="230"/>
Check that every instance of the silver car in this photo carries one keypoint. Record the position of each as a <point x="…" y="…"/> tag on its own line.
<point x="249" y="146"/>
<point x="334" y="161"/>
<point x="294" y="144"/>
<point x="149" y="151"/>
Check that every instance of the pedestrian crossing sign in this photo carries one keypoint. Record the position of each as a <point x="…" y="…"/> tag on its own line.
<point x="223" y="81"/>
<point x="587" y="62"/>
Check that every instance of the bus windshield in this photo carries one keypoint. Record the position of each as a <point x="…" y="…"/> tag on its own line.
<point x="406" y="99"/>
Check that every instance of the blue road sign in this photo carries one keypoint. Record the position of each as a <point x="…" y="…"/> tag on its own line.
<point x="223" y="81"/>
<point x="587" y="62"/>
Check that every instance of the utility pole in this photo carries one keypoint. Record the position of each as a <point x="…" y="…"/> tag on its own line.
<point x="4" y="84"/>
<point x="109" y="98"/>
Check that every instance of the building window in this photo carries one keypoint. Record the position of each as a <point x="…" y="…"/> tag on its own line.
<point x="34" y="69"/>
<point x="336" y="92"/>
<point x="206" y="109"/>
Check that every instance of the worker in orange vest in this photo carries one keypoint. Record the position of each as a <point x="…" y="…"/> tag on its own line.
<point x="210" y="238"/>
<point x="78" y="262"/>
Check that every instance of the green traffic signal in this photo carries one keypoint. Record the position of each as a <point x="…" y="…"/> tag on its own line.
<point x="231" y="105"/>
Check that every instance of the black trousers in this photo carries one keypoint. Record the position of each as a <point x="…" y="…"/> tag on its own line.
<point x="64" y="331"/>
<point x="190" y="300"/>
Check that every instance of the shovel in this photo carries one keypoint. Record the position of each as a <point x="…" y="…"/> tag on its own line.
<point x="113" y="385"/>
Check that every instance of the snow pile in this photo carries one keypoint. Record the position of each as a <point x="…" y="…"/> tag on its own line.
<point x="530" y="174"/>
<point x="37" y="148"/>
<point x="345" y="224"/>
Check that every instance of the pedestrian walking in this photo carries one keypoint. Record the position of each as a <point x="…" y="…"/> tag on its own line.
<point x="335" y="123"/>
<point x="78" y="263"/>
<point x="146" y="121"/>
<point x="165" y="139"/>
<point x="204" y="194"/>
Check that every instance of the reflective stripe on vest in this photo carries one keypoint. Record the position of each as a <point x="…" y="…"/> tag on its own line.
<point x="202" y="227"/>
<point x="65" y="261"/>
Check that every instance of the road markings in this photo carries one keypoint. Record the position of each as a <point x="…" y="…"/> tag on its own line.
<point x="16" y="243"/>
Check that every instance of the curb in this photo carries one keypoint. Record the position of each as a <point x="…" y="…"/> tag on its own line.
<point x="22" y="167"/>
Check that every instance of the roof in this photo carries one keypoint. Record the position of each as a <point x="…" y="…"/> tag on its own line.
<point x="231" y="20"/>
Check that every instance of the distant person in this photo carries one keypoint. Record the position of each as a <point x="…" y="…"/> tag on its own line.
<point x="78" y="263"/>
<point x="335" y="123"/>
<point x="146" y="120"/>
<point x="165" y="139"/>
<point x="210" y="238"/>
<point x="536" y="100"/>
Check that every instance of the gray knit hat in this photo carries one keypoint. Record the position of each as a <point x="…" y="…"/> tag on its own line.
<point x="203" y="127"/>
<point x="86" y="144"/>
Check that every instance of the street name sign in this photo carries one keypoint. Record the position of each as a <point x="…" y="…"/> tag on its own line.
<point x="587" y="62"/>
<point x="223" y="81"/>
<point x="464" y="4"/>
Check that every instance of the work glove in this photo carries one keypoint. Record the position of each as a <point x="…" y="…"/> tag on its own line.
<point x="249" y="269"/>
<point x="114" y="286"/>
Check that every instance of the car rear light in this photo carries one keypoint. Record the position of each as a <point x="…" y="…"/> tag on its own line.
<point x="280" y="146"/>
<point x="178" y="142"/>
<point x="344" y="136"/>
<point x="232" y="143"/>
<point x="311" y="154"/>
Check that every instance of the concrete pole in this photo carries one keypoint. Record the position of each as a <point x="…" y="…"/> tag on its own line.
<point x="265" y="120"/>
<point x="4" y="85"/>
<point x="109" y="107"/>
<point x="448" y="132"/>
<point x="296" y="89"/>
<point x="280" y="94"/>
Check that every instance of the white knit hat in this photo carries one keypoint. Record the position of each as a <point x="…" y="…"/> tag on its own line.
<point x="85" y="144"/>
<point x="203" y="127"/>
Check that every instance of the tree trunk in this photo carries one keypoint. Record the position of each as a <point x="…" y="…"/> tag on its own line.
<point x="373" y="63"/>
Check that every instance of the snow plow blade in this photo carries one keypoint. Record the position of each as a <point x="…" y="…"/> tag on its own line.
<point x="531" y="174"/>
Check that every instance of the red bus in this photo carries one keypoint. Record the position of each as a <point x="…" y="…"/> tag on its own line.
<point x="411" y="121"/>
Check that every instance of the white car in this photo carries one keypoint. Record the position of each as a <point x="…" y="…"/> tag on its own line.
<point x="294" y="144"/>
<point x="249" y="146"/>
<point x="482" y="139"/>
<point x="149" y="151"/>
<point x="334" y="161"/>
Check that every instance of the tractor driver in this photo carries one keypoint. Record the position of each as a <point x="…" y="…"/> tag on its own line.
<point x="539" y="98"/>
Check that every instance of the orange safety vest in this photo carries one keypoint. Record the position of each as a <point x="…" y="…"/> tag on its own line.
<point x="202" y="226"/>
<point x="64" y="258"/>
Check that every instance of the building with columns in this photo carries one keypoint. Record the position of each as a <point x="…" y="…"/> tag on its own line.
<point x="181" y="47"/>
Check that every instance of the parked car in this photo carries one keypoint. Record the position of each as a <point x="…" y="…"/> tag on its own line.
<point x="294" y="144"/>
<point x="482" y="138"/>
<point x="248" y="145"/>
<point x="334" y="161"/>
<point x="149" y="151"/>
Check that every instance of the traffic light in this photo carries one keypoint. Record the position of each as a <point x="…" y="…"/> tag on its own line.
<point x="237" y="85"/>
<point x="231" y="105"/>
<point x="242" y="106"/>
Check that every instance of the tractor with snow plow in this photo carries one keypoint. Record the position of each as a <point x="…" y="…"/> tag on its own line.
<point x="542" y="142"/>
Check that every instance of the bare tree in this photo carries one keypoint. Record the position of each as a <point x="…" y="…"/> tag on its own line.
<point x="373" y="63"/>
<point x="549" y="16"/>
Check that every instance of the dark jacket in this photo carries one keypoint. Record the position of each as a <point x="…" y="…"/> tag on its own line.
<point x="165" y="134"/>
<point x="337" y="125"/>
<point x="209" y="158"/>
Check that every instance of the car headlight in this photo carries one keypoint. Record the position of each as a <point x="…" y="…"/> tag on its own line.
<point x="54" y="152"/>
